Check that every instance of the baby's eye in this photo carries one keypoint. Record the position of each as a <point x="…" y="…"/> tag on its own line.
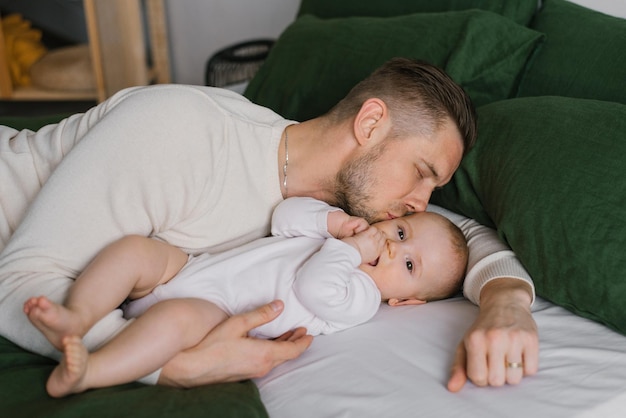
<point x="409" y="265"/>
<point x="401" y="234"/>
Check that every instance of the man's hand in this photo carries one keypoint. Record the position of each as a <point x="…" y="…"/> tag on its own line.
<point x="502" y="346"/>
<point x="227" y="354"/>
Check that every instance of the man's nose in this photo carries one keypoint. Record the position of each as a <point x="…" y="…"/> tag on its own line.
<point x="418" y="200"/>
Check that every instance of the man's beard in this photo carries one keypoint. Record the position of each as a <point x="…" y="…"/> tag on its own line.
<point x="354" y="183"/>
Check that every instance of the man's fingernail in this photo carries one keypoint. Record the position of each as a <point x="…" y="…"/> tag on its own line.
<point x="275" y="306"/>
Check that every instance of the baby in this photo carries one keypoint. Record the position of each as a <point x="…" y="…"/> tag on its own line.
<point x="331" y="271"/>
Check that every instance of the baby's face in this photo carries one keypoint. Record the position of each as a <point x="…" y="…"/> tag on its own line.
<point x="414" y="258"/>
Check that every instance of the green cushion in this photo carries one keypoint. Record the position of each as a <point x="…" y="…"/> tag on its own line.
<point x="584" y="54"/>
<point x="31" y="122"/>
<point x="549" y="173"/>
<point x="23" y="376"/>
<point x="521" y="11"/>
<point x="315" y="62"/>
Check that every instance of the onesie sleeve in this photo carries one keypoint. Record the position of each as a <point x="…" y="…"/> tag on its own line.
<point x="301" y="216"/>
<point x="489" y="257"/>
<point x="333" y="288"/>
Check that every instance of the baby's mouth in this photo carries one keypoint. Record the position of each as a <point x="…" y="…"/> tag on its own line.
<point x="375" y="262"/>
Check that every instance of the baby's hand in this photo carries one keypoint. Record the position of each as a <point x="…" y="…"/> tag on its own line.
<point x="369" y="243"/>
<point x="342" y="225"/>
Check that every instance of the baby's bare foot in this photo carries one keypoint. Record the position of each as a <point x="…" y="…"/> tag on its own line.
<point x="67" y="377"/>
<point x="53" y="320"/>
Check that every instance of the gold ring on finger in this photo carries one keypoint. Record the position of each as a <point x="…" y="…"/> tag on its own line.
<point x="514" y="365"/>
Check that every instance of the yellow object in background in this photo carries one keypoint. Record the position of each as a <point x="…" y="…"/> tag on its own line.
<point x="23" y="47"/>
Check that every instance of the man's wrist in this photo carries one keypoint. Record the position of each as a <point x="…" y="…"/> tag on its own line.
<point x="512" y="289"/>
<point x="177" y="373"/>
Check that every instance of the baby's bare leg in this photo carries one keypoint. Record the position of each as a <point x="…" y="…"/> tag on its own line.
<point x="53" y="320"/>
<point x="133" y="265"/>
<point x="151" y="340"/>
<point x="68" y="376"/>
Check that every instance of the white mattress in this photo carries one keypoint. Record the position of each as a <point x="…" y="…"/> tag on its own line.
<point x="397" y="365"/>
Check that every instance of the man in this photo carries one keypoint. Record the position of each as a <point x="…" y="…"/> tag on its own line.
<point x="202" y="169"/>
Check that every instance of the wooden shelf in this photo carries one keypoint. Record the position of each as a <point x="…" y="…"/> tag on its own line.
<point x="118" y="49"/>
<point x="34" y="93"/>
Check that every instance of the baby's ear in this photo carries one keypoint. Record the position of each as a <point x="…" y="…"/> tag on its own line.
<point x="401" y="302"/>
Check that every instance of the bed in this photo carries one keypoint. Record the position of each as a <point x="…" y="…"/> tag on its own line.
<point x="397" y="365"/>
<point x="547" y="173"/>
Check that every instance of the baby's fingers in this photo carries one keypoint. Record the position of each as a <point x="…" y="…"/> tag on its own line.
<point x="359" y="225"/>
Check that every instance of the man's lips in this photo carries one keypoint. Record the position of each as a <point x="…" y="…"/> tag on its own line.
<point x="375" y="262"/>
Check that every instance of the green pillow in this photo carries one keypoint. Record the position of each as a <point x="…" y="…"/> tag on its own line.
<point x="549" y="173"/>
<point x="23" y="377"/>
<point x="31" y="122"/>
<point x="315" y="62"/>
<point x="521" y="11"/>
<point x="584" y="54"/>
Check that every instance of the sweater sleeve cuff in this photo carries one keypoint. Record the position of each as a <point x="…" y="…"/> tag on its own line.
<point x="493" y="267"/>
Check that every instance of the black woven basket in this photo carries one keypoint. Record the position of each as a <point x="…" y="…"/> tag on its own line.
<point x="237" y="63"/>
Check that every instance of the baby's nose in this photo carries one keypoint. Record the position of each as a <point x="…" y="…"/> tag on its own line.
<point x="391" y="248"/>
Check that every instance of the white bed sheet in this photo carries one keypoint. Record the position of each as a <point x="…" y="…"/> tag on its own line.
<point x="397" y="365"/>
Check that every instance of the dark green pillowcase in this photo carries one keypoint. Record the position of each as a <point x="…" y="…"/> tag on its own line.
<point x="549" y="172"/>
<point x="315" y="62"/>
<point x="584" y="54"/>
<point x="33" y="123"/>
<point x="520" y="11"/>
<point x="23" y="378"/>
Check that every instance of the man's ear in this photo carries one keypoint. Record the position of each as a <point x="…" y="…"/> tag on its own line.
<point x="371" y="121"/>
<point x="402" y="302"/>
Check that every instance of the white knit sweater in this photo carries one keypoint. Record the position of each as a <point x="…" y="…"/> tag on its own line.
<point x="193" y="166"/>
